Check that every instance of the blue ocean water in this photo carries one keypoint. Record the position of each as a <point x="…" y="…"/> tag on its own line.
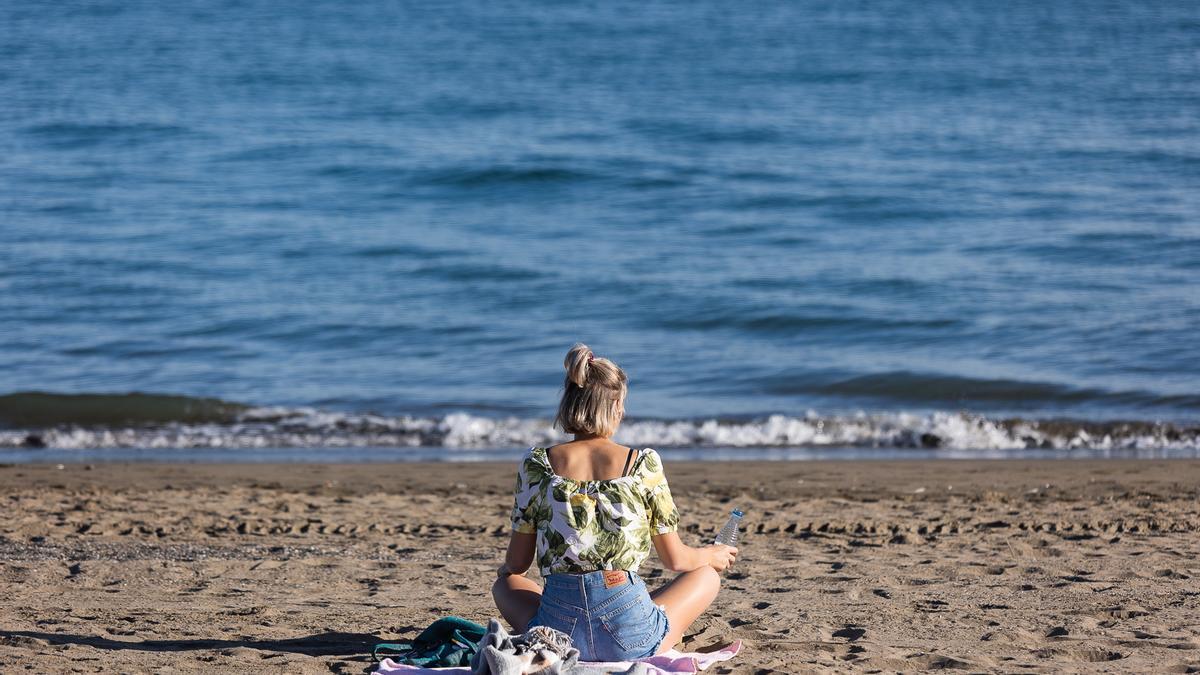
<point x="384" y="223"/>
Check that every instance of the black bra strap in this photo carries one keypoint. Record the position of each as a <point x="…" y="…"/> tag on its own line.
<point x="628" y="459"/>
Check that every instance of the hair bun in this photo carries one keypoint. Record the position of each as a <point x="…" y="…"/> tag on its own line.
<point x="579" y="358"/>
<point x="593" y="398"/>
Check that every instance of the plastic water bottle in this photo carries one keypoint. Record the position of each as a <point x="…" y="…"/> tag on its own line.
<point x="729" y="533"/>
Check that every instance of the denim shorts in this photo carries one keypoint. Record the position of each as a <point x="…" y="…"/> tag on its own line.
<point x="608" y="614"/>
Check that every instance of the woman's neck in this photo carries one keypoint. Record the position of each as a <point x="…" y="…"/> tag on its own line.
<point x="591" y="437"/>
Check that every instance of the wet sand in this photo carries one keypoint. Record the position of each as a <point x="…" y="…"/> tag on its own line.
<point x="1036" y="566"/>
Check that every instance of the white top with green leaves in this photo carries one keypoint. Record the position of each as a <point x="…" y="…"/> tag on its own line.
<point x="589" y="525"/>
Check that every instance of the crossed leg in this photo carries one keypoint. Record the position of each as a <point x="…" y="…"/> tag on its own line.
<point x="686" y="597"/>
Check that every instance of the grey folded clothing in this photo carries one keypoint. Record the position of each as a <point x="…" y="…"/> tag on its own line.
<point x="541" y="650"/>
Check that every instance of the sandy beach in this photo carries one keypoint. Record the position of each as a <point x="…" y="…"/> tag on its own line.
<point x="1000" y="566"/>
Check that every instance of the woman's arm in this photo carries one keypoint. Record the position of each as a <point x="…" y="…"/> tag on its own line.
<point x="523" y="543"/>
<point x="664" y="521"/>
<point x="679" y="557"/>
<point x="519" y="557"/>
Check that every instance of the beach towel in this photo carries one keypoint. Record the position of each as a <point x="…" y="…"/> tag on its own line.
<point x="671" y="663"/>
<point x="449" y="641"/>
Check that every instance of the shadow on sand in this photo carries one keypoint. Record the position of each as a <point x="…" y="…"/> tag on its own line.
<point x="322" y="644"/>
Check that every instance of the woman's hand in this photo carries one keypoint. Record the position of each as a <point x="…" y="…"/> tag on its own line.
<point x="720" y="556"/>
<point x="504" y="571"/>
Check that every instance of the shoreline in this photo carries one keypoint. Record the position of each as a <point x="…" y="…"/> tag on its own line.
<point x="793" y="478"/>
<point x="419" y="456"/>
<point x="991" y="565"/>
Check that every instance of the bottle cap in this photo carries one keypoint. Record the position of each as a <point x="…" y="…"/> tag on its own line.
<point x="737" y="513"/>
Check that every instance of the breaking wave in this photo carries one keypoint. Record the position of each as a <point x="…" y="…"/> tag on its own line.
<point x="144" y="421"/>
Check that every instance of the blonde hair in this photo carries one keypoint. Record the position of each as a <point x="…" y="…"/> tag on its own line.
<point x="593" y="400"/>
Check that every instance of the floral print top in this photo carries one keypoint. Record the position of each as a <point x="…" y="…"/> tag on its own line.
<point x="590" y="525"/>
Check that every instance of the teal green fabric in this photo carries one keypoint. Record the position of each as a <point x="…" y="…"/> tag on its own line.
<point x="448" y="642"/>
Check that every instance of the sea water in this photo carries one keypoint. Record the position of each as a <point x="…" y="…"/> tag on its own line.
<point x="934" y="226"/>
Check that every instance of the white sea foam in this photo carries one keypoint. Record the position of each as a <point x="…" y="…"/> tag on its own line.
<point x="312" y="428"/>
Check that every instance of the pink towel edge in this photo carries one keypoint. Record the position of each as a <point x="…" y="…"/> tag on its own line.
<point x="699" y="662"/>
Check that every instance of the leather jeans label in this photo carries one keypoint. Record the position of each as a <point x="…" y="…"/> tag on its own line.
<point x="614" y="578"/>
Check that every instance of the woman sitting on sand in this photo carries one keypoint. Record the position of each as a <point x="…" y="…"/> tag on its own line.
<point x="590" y="508"/>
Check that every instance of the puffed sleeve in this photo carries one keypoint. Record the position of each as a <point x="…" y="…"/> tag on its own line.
<point x="660" y="507"/>
<point x="524" y="497"/>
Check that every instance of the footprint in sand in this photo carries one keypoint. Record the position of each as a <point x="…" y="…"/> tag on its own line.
<point x="838" y="650"/>
<point x="930" y="606"/>
<point x="935" y="661"/>
<point x="1123" y="612"/>
<point x="850" y="633"/>
<point x="1080" y="654"/>
<point x="1170" y="574"/>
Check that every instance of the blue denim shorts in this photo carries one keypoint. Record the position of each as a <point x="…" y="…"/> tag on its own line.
<point x="608" y="614"/>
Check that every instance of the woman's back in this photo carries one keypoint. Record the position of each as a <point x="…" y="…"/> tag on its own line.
<point x="592" y="459"/>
